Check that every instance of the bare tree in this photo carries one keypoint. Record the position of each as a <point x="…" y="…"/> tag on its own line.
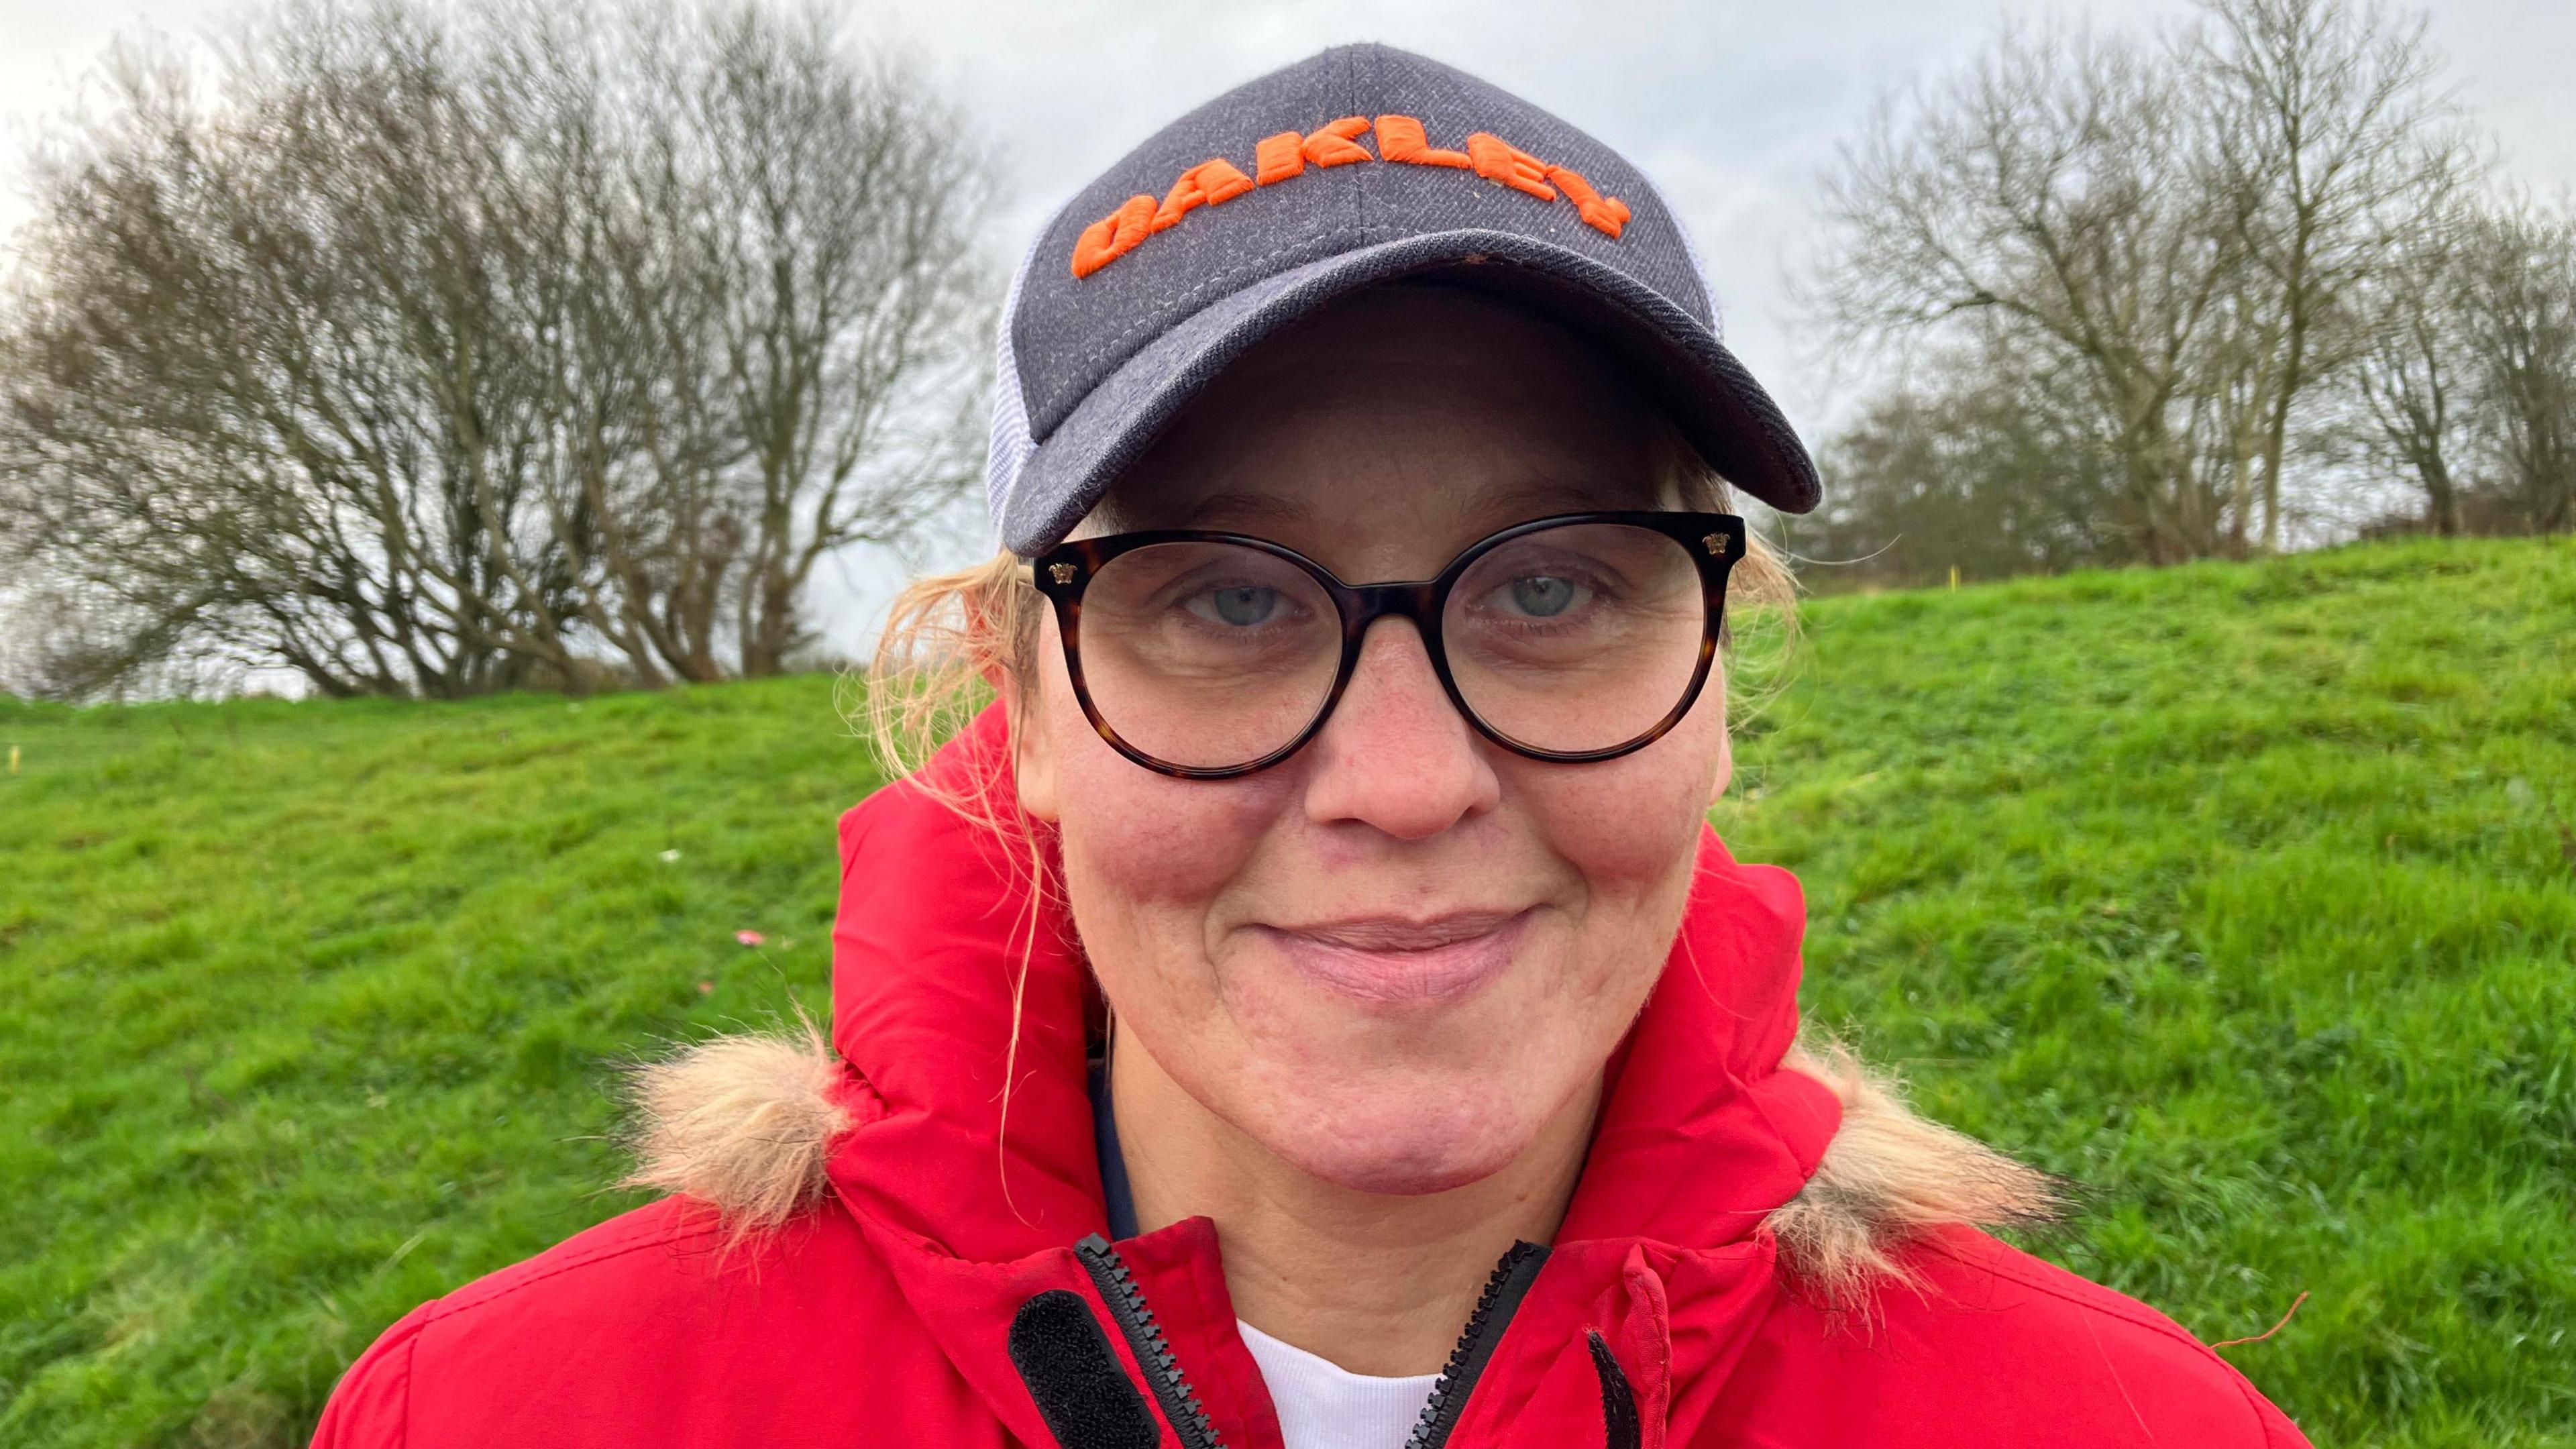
<point x="2469" y="386"/>
<point x="1988" y="462"/>
<point x="2413" y="378"/>
<point x="2055" y="190"/>
<point x="2332" y="149"/>
<point x="839" y="308"/>
<point x="438" y="353"/>
<point x="2520" y="291"/>
<point x="2217" y="234"/>
<point x="221" y="427"/>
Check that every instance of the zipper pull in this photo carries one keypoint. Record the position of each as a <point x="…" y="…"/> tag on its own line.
<point x="1064" y="1357"/>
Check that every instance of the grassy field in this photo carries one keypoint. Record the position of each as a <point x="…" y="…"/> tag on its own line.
<point x="2244" y="895"/>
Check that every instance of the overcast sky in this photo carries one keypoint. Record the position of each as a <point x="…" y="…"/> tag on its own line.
<point x="1733" y="107"/>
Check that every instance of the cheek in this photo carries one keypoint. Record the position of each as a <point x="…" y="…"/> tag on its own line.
<point x="1630" y="827"/>
<point x="1144" y="854"/>
<point x="1153" y="842"/>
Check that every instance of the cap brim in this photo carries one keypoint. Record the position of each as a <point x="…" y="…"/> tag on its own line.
<point x="1715" y="403"/>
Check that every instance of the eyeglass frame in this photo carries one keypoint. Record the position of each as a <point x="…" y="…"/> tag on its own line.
<point x="1713" y="542"/>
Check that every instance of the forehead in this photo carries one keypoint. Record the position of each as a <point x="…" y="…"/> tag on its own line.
<point x="1403" y="420"/>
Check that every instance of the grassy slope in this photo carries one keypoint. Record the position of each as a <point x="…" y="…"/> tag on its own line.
<point x="2244" y="896"/>
<point x="2241" y="894"/>
<point x="304" y="1008"/>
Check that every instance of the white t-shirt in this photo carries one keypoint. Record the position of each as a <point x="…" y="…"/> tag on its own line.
<point x="1325" y="1406"/>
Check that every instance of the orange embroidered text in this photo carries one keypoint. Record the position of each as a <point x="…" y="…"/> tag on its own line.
<point x="1205" y="184"/>
<point x="1401" y="139"/>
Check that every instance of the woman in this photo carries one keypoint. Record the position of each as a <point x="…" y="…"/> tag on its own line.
<point x="1306" y="1010"/>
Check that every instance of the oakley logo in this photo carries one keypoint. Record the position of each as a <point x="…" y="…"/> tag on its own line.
<point x="1278" y="158"/>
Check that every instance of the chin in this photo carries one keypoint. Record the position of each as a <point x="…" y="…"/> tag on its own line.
<point x="1404" y="1143"/>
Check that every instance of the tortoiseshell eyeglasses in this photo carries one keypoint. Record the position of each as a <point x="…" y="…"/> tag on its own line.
<point x="1573" y="638"/>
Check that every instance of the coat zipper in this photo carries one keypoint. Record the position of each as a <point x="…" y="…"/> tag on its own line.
<point x="1502" y="1297"/>
<point x="1504" y="1290"/>
<point x="1117" y="1285"/>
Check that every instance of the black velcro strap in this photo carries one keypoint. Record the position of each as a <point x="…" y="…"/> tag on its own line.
<point x="1619" y="1427"/>
<point x="1064" y="1356"/>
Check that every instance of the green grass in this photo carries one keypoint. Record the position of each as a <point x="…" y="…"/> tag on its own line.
<point x="2245" y="895"/>
<point x="306" y="1012"/>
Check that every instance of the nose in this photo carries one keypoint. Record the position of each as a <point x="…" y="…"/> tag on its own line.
<point x="1397" y="755"/>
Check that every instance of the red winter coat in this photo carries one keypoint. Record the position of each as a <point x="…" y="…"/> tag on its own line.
<point x="912" y="1302"/>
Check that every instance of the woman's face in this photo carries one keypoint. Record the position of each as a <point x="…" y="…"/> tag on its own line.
<point x="1398" y="956"/>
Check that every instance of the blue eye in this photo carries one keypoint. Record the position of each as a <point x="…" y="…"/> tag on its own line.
<point x="1544" y="596"/>
<point x="1242" y="606"/>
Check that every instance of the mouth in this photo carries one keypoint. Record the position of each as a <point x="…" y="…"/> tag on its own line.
<point x="1389" y="960"/>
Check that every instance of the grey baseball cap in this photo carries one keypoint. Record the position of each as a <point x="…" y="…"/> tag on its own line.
<point x="1360" y="165"/>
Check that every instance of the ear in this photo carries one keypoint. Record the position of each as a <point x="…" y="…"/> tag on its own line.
<point x="1033" y="772"/>
<point x="1724" y="774"/>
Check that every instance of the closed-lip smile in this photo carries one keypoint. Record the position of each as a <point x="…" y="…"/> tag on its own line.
<point x="1394" y="959"/>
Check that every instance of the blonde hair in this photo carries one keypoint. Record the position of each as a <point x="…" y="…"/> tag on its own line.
<point x="950" y="642"/>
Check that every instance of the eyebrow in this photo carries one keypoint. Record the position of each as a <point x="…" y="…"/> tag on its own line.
<point x="1540" y="497"/>
<point x="1233" y="508"/>
<point x="1518" y="499"/>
